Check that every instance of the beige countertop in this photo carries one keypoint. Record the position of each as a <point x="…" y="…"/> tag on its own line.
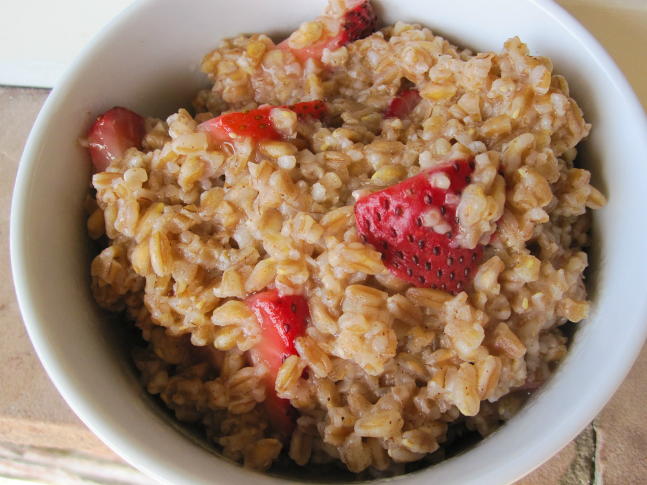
<point x="34" y="418"/>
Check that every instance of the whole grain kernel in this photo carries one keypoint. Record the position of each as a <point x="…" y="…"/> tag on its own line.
<point x="96" y="224"/>
<point x="161" y="253"/>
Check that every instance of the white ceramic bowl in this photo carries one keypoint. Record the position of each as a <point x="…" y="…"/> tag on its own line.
<point x="147" y="59"/>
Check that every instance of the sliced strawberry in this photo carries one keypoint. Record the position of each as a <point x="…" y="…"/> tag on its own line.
<point x="357" y="22"/>
<point x="282" y="320"/>
<point x="413" y="225"/>
<point x="112" y="133"/>
<point x="310" y="109"/>
<point x="281" y="414"/>
<point x="403" y="104"/>
<point x="257" y="123"/>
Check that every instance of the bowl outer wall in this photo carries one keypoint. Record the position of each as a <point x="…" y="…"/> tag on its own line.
<point x="136" y="61"/>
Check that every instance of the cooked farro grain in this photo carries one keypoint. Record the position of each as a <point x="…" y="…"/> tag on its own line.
<point x="383" y="368"/>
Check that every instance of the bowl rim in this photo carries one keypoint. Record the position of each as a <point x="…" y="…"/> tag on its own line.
<point x="122" y="445"/>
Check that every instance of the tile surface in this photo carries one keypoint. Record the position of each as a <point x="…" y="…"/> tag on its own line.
<point x="31" y="410"/>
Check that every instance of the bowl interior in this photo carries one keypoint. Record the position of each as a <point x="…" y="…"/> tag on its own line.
<point x="148" y="60"/>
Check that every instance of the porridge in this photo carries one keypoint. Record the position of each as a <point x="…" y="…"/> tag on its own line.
<point x="358" y="242"/>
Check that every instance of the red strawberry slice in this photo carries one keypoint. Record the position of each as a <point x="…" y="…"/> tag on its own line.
<point x="257" y="123"/>
<point x="282" y="320"/>
<point x="413" y="225"/>
<point x="357" y="22"/>
<point x="310" y="109"/>
<point x="403" y="104"/>
<point x="281" y="414"/>
<point x="112" y="133"/>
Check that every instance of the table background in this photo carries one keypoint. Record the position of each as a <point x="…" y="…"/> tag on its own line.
<point x="41" y="439"/>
